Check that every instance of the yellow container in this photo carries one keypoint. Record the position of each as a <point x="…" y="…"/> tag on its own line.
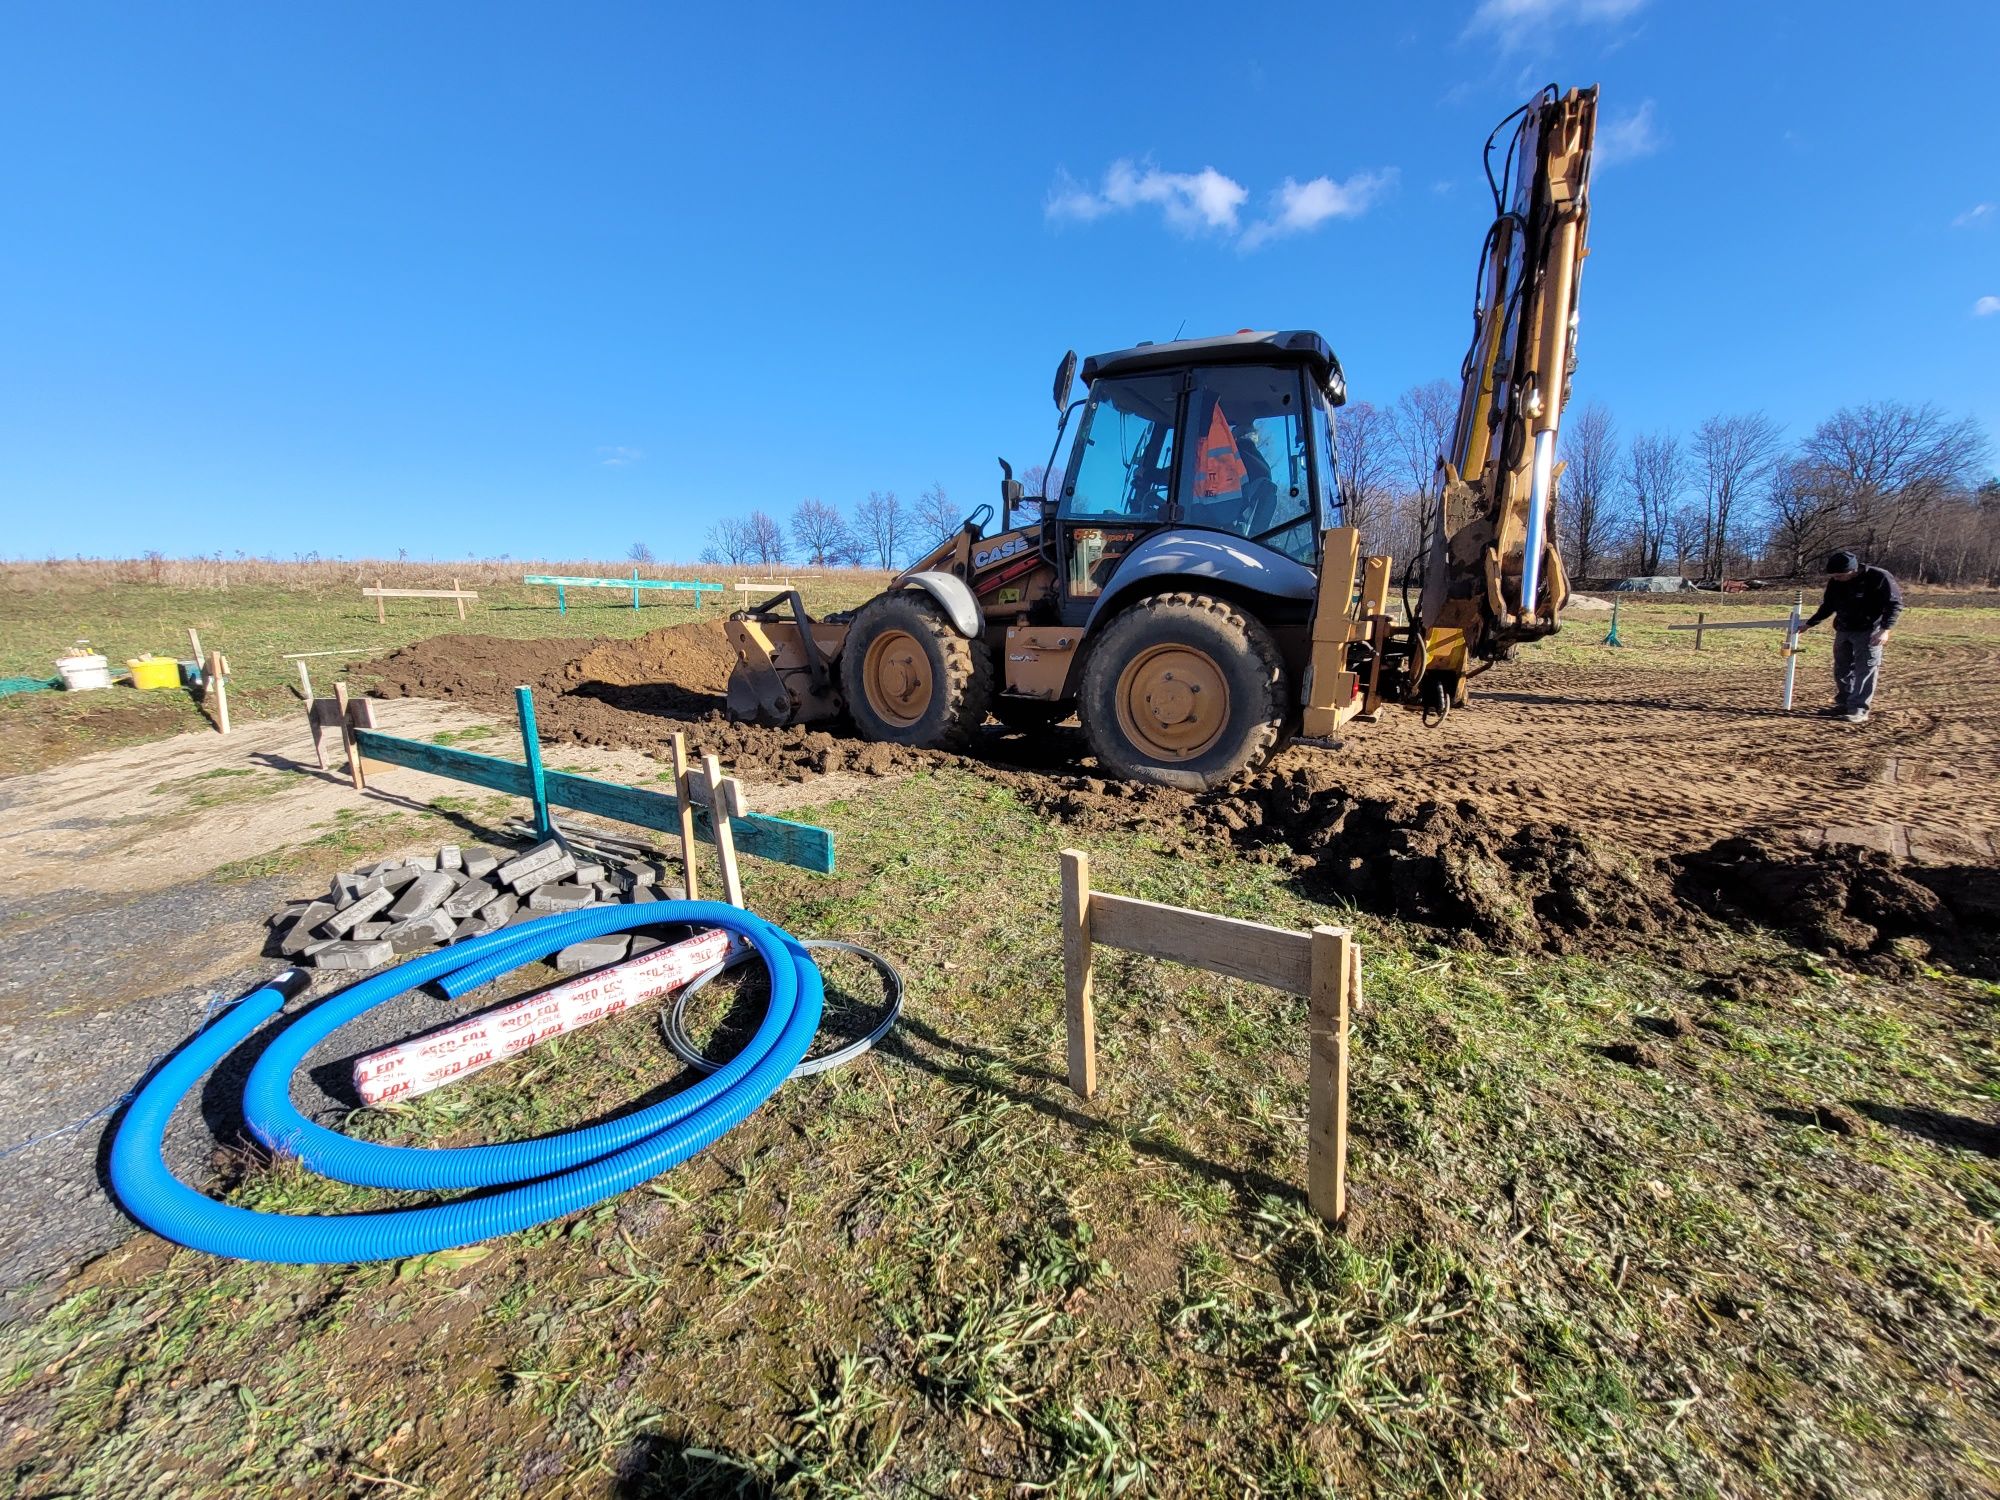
<point x="155" y="672"/>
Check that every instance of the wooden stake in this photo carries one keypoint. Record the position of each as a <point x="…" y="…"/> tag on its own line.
<point x="347" y="739"/>
<point x="306" y="684"/>
<point x="218" y="685"/>
<point x="686" y="800"/>
<point x="1079" y="1011"/>
<point x="725" y="841"/>
<point x="1700" y="621"/>
<point x="458" y="598"/>
<point x="1326" y="1153"/>
<point x="381" y="614"/>
<point x="194" y="639"/>
<point x="317" y="716"/>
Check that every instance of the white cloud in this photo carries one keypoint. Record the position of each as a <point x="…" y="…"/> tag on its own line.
<point x="1516" y="21"/>
<point x="1979" y="213"/>
<point x="1189" y="201"/>
<point x="1299" y="206"/>
<point x="1986" y="307"/>
<point x="619" y="457"/>
<point x="1628" y="137"/>
<point x="1207" y="202"/>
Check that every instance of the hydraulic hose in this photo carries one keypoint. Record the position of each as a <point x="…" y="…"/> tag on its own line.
<point x="539" y="1179"/>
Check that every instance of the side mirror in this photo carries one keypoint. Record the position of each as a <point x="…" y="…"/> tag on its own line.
<point x="1065" y="379"/>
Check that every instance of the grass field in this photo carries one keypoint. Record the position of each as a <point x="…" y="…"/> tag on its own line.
<point x="270" y="610"/>
<point x="1619" y="1228"/>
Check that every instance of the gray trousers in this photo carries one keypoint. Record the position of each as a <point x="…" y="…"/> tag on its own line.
<point x="1857" y="663"/>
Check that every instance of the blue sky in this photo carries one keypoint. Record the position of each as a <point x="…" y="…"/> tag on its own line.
<point x="543" y="280"/>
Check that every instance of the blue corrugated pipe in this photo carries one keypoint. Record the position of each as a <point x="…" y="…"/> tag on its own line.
<point x="542" y="1179"/>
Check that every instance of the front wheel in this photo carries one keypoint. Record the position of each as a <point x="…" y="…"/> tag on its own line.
<point x="909" y="678"/>
<point x="1184" y="690"/>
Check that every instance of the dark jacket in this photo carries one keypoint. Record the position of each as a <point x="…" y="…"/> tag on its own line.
<point x="1870" y="600"/>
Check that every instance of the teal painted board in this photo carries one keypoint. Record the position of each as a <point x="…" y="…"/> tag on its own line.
<point x="778" y="839"/>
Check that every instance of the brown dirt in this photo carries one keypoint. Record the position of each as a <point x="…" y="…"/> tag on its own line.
<point x="1578" y="805"/>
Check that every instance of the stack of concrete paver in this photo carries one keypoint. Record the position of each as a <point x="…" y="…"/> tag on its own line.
<point x="390" y="910"/>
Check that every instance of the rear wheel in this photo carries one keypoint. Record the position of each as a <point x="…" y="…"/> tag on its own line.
<point x="911" y="679"/>
<point x="1184" y="690"/>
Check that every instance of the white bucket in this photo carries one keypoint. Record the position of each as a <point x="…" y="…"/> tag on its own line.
<point x="82" y="673"/>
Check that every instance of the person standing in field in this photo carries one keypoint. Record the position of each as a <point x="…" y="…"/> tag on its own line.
<point x="1865" y="604"/>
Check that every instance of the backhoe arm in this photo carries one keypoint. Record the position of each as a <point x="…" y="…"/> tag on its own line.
<point x="1494" y="574"/>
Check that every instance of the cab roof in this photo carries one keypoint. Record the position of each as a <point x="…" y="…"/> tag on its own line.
<point x="1294" y="347"/>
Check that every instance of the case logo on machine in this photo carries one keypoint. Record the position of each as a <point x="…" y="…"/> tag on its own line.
<point x="1000" y="553"/>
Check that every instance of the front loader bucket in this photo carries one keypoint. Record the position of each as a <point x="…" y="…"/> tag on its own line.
<point x="785" y="667"/>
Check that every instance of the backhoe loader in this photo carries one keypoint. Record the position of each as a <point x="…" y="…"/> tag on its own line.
<point x="1189" y="591"/>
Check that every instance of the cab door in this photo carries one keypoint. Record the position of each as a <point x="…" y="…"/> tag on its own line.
<point x="1119" y="485"/>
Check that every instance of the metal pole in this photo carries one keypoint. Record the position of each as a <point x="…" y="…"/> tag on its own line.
<point x="1792" y="650"/>
<point x="524" y="699"/>
<point x="1538" y="510"/>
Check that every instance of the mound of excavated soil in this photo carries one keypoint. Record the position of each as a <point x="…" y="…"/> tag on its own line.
<point x="1856" y="903"/>
<point x="1532" y="887"/>
<point x="1475" y="865"/>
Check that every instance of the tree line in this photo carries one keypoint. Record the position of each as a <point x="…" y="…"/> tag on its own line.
<point x="880" y="530"/>
<point x="1906" y="486"/>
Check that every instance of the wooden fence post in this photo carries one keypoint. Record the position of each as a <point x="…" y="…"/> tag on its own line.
<point x="1333" y="965"/>
<point x="306" y="685"/>
<point x="1700" y="621"/>
<point x="459" y="600"/>
<point x="347" y="740"/>
<point x="686" y="800"/>
<point x="381" y="613"/>
<point x="1079" y="1011"/>
<point x="725" y="841"/>
<point x="218" y="677"/>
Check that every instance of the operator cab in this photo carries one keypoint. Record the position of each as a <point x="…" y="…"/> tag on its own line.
<point x="1230" y="435"/>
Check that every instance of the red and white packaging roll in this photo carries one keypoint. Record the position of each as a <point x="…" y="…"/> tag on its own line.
<point x="437" y="1057"/>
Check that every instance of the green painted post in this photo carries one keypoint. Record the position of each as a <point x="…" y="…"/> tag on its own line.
<point x="635" y="588"/>
<point x="1611" y="639"/>
<point x="562" y="608"/>
<point x="531" y="743"/>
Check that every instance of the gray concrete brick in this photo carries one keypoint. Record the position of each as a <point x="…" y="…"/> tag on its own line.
<point x="559" y="869"/>
<point x="399" y="878"/>
<point x="644" y="943"/>
<point x="593" y="953"/>
<point x="589" y="874"/>
<point x="349" y="917"/>
<point x="367" y="932"/>
<point x="346" y="886"/>
<point x="644" y="893"/>
<point x="426" y="894"/>
<point x="451" y="857"/>
<point x="425" y="931"/>
<point x="300" y="932"/>
<point x="353" y="956"/>
<point x="469" y="898"/>
<point x="287" y="914"/>
<point x="480" y="860"/>
<point x="554" y="897"/>
<point x="500" y="908"/>
<point x="547" y="852"/>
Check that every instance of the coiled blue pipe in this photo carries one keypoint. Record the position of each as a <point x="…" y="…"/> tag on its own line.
<point x="542" y="1179"/>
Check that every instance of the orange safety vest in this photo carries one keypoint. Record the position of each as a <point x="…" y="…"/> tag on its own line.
<point x="1219" y="471"/>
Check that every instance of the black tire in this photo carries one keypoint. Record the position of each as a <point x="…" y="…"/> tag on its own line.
<point x="1026" y="715"/>
<point x="913" y="647"/>
<point x="1215" y="648"/>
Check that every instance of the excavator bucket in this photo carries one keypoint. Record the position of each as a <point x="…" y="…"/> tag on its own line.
<point x="786" y="664"/>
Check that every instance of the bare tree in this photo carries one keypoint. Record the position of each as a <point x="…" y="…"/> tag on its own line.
<point x="1733" y="457"/>
<point x="820" y="531"/>
<point x="1656" y="475"/>
<point x="729" y="541"/>
<point x="1885" y="465"/>
<point x="1687" y="528"/>
<point x="1366" y="468"/>
<point x="639" y="552"/>
<point x="1587" y="497"/>
<point x="766" y="538"/>
<point x="879" y="527"/>
<point x="936" y="517"/>
<point x="1804" y="516"/>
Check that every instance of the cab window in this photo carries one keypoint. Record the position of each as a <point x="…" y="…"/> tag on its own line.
<point x="1123" y="463"/>
<point x="1248" y="471"/>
